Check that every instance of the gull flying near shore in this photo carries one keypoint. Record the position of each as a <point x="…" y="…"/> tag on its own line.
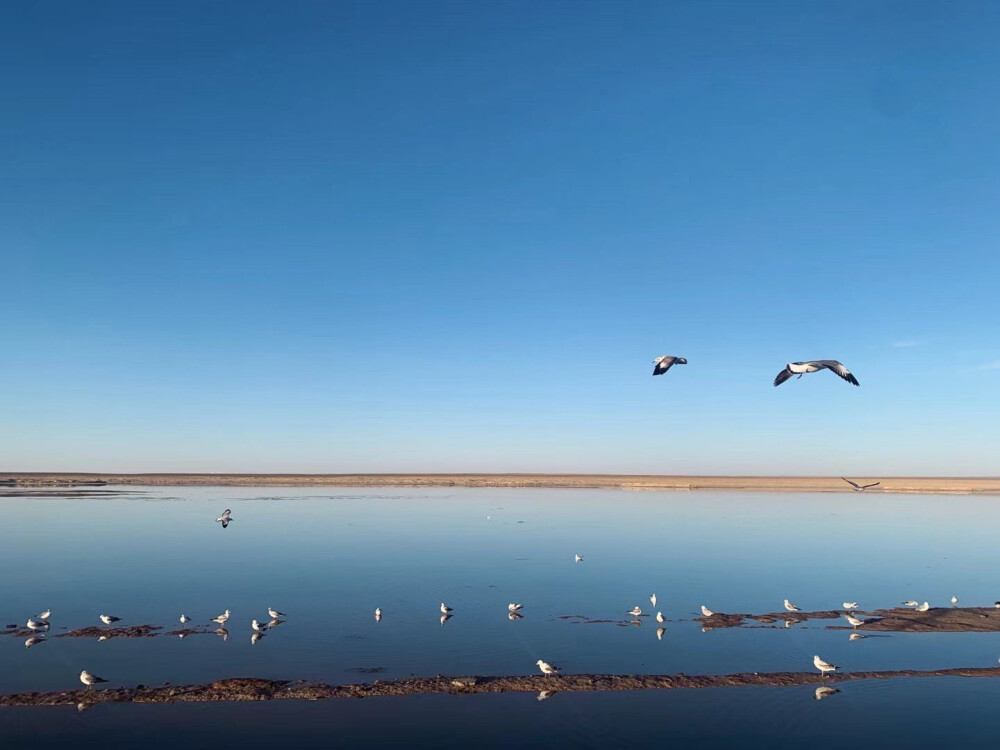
<point x="89" y="679"/>
<point x="225" y="518"/>
<point x="954" y="600"/>
<point x="860" y="487"/>
<point x="801" y="368"/>
<point x="791" y="607"/>
<point x="824" y="666"/>
<point x="665" y="362"/>
<point x="546" y="667"/>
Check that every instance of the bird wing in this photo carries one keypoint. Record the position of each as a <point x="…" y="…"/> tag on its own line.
<point x="850" y="483"/>
<point x="663" y="365"/>
<point x="836" y="367"/>
<point x="782" y="377"/>
<point x="873" y="484"/>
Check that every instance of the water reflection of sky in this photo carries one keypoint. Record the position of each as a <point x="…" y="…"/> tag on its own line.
<point x="329" y="557"/>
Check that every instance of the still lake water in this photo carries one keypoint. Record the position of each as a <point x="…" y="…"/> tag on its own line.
<point x="328" y="557"/>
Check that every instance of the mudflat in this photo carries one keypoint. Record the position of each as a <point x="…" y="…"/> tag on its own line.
<point x="921" y="485"/>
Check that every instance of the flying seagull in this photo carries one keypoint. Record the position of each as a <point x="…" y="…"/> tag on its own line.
<point x="860" y="487"/>
<point x="89" y="679"/>
<point x="225" y="518"/>
<point x="665" y="362"/>
<point x="824" y="666"/>
<point x="801" y="368"/>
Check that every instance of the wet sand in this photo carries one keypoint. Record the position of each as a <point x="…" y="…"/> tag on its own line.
<point x="895" y="620"/>
<point x="253" y="689"/>
<point x="926" y="485"/>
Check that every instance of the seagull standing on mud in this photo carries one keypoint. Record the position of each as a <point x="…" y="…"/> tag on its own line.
<point x="665" y="362"/>
<point x="34" y="624"/>
<point x="851" y="605"/>
<point x="824" y="666"/>
<point x="635" y="611"/>
<point x="184" y="619"/>
<point x="225" y="518"/>
<point x="547" y="669"/>
<point x="854" y="621"/>
<point x="801" y="368"/>
<point x="89" y="679"/>
<point x="275" y="614"/>
<point x="791" y="607"/>
<point x="923" y="607"/>
<point x="706" y="611"/>
<point x="860" y="487"/>
<point x="109" y="620"/>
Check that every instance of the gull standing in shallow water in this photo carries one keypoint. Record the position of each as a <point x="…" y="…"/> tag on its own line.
<point x="34" y="624"/>
<point x="514" y="607"/>
<point x="378" y="614"/>
<point x="652" y="599"/>
<point x="44" y="615"/>
<point x="665" y="362"/>
<point x="258" y="628"/>
<point x="659" y="617"/>
<point x="824" y="666"/>
<point x="801" y="368"/>
<point x="659" y="633"/>
<point x="791" y="607"/>
<point x="706" y="611"/>
<point x="547" y="668"/>
<point x="225" y="518"/>
<point x="275" y="614"/>
<point x="221" y="619"/>
<point x="855" y="621"/>
<point x="445" y="609"/>
<point x="635" y="611"/>
<point x="89" y="679"/>
<point x="184" y="619"/>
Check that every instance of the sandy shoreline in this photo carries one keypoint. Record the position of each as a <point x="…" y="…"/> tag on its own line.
<point x="928" y="485"/>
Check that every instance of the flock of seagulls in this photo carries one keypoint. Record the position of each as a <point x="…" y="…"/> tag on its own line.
<point x="665" y="362"/>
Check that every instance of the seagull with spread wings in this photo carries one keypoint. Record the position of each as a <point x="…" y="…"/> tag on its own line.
<point x="665" y="362"/>
<point x="802" y="368"/>
<point x="860" y="487"/>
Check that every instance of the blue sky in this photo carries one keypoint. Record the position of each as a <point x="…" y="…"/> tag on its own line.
<point x="451" y="236"/>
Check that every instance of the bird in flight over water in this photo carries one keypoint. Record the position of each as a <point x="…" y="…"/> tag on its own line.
<point x="860" y="487"/>
<point x="802" y="368"/>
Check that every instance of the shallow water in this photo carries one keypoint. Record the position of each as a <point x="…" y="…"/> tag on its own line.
<point x="329" y="557"/>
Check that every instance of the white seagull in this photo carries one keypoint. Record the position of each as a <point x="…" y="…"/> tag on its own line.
<point x="824" y="666"/>
<point x="514" y="607"/>
<point x="791" y="607"/>
<point x="546" y="667"/>
<point x="910" y="603"/>
<point x="954" y="600"/>
<point x="665" y="362"/>
<point x="184" y="619"/>
<point x="706" y="611"/>
<point x="275" y="614"/>
<point x="923" y="607"/>
<point x="221" y="619"/>
<point x="445" y="609"/>
<point x="652" y="599"/>
<point x="109" y="619"/>
<point x="225" y="518"/>
<point x="801" y="368"/>
<point x="577" y="558"/>
<point x="89" y="679"/>
<point x="860" y="487"/>
<point x="34" y="624"/>
<point x="378" y="614"/>
<point x="659" y="617"/>
<point x="635" y="611"/>
<point x="258" y="627"/>
<point x="44" y="615"/>
<point x="855" y="621"/>
<point x="851" y="605"/>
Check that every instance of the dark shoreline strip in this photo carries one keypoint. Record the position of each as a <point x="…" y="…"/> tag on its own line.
<point x="252" y="689"/>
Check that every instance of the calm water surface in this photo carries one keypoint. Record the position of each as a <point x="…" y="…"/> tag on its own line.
<point x="328" y="557"/>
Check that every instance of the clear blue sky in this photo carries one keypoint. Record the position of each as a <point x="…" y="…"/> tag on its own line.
<point x="451" y="236"/>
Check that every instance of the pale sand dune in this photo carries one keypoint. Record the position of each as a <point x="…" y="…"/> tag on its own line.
<point x="928" y="485"/>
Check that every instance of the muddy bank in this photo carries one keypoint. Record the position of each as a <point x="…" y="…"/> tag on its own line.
<point x="896" y="620"/>
<point x="252" y="689"/>
<point x="129" y="631"/>
<point x="935" y="485"/>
